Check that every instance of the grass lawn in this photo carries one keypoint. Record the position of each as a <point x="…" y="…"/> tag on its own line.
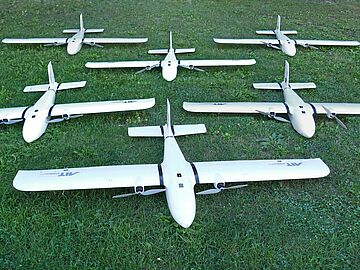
<point x="275" y="225"/>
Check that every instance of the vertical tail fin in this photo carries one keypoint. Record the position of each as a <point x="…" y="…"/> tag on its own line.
<point x="286" y="73"/>
<point x="278" y="23"/>
<point x="81" y="22"/>
<point x="171" y="45"/>
<point x="51" y="75"/>
<point x="168" y="115"/>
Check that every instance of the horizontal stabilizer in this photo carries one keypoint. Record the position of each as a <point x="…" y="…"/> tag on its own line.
<point x="71" y="85"/>
<point x="150" y="131"/>
<point x="295" y="86"/>
<point x="88" y="31"/>
<point x="265" y="32"/>
<point x="181" y="130"/>
<point x="36" y="88"/>
<point x="289" y="32"/>
<point x="70" y="31"/>
<point x="158" y="51"/>
<point x="265" y="86"/>
<point x="187" y="50"/>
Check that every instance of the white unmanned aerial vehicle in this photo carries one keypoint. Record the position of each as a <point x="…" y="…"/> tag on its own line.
<point x="170" y="64"/>
<point x="37" y="117"/>
<point x="74" y="43"/>
<point x="175" y="175"/>
<point x="283" y="43"/>
<point x="300" y="113"/>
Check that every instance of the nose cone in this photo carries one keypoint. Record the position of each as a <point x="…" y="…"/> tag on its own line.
<point x="182" y="206"/>
<point x="33" y="131"/>
<point x="73" y="48"/>
<point x="305" y="128"/>
<point x="290" y="50"/>
<point x="169" y="73"/>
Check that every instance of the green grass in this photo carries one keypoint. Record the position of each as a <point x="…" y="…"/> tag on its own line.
<point x="274" y="225"/>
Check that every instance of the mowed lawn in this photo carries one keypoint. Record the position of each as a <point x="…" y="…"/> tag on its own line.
<point x="307" y="224"/>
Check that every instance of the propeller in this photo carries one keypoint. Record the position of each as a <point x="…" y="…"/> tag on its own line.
<point x="54" y="44"/>
<point x="93" y="44"/>
<point x="332" y="115"/>
<point x="310" y="46"/>
<point x="9" y="122"/>
<point x="147" y="68"/>
<point x="64" y="117"/>
<point x="218" y="188"/>
<point x="271" y="46"/>
<point x="191" y="67"/>
<point x="143" y="193"/>
<point x="272" y="115"/>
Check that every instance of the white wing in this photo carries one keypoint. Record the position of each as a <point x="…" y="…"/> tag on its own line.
<point x="337" y="108"/>
<point x="208" y="63"/>
<point x="115" y="40"/>
<point x="102" y="107"/>
<point x="124" y="64"/>
<point x="235" y="107"/>
<point x="246" y="41"/>
<point x="88" y="178"/>
<point x="35" y="40"/>
<point x="326" y="42"/>
<point x="12" y="113"/>
<point x="260" y="170"/>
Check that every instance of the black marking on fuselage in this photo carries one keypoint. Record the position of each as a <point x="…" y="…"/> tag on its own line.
<point x="50" y="110"/>
<point x="280" y="85"/>
<point x="173" y="129"/>
<point x="287" y="108"/>
<point x="162" y="130"/>
<point x="313" y="107"/>
<point x="161" y="176"/>
<point x="24" y="112"/>
<point x="197" y="180"/>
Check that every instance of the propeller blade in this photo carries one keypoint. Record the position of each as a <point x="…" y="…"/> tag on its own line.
<point x="141" y="71"/>
<point x="124" y="195"/>
<point x="281" y="119"/>
<point x="209" y="191"/>
<point x="93" y="44"/>
<point x="76" y="116"/>
<point x="10" y="122"/>
<point x="332" y="115"/>
<point x="237" y="186"/>
<point x="198" y="69"/>
<point x="152" y="191"/>
<point x="56" y="120"/>
<point x="313" y="47"/>
<point x="273" y="116"/>
<point x="341" y="123"/>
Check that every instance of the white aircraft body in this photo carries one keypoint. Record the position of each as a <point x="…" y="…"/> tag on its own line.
<point x="37" y="117"/>
<point x="284" y="43"/>
<point x="300" y="113"/>
<point x="170" y="64"/>
<point x="175" y="175"/>
<point x="75" y="43"/>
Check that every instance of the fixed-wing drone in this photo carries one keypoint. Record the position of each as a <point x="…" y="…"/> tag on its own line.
<point x="300" y="113"/>
<point x="283" y="43"/>
<point x="75" y="43"/>
<point x="37" y="117"/>
<point x="170" y="64"/>
<point x="175" y="175"/>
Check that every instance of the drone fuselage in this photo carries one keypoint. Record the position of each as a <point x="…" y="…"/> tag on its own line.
<point x="37" y="117"/>
<point x="75" y="42"/>
<point x="179" y="181"/>
<point x="287" y="45"/>
<point x="300" y="113"/>
<point x="169" y="66"/>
